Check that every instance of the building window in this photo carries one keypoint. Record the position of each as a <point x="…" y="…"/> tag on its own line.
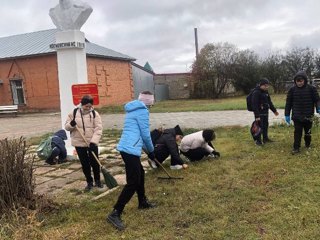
<point x="17" y="92"/>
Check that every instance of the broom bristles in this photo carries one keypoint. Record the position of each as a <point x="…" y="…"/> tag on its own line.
<point x="108" y="178"/>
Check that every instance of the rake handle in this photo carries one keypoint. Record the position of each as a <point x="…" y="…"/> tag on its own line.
<point x="146" y="151"/>
<point x="162" y="167"/>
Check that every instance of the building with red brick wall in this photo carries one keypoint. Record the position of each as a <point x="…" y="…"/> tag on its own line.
<point x="29" y="73"/>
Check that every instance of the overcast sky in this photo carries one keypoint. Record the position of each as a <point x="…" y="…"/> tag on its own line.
<point x="162" y="31"/>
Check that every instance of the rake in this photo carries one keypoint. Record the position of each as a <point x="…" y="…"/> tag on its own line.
<point x="162" y="167"/>
<point x="169" y="176"/>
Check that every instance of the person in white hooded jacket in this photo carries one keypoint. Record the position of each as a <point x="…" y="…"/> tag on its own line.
<point x="196" y="146"/>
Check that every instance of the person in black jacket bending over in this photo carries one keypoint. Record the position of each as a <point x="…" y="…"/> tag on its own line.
<point x="167" y="145"/>
<point x="302" y="98"/>
<point x="261" y="103"/>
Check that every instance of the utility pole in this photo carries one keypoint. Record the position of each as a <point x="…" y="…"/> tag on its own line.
<point x="196" y="41"/>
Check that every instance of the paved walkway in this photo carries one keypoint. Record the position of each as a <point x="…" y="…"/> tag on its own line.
<point x="30" y="125"/>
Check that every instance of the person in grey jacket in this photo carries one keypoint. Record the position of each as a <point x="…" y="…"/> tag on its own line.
<point x="196" y="146"/>
<point x="301" y="100"/>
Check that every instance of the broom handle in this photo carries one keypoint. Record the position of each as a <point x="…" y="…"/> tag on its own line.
<point x="84" y="139"/>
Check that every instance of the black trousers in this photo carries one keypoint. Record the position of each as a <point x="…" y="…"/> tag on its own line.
<point x="264" y="125"/>
<point x="197" y="153"/>
<point x="135" y="181"/>
<point x="56" y="152"/>
<point x="299" y="126"/>
<point x="87" y="162"/>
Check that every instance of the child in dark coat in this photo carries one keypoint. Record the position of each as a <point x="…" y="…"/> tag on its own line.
<point x="166" y="146"/>
<point x="58" y="148"/>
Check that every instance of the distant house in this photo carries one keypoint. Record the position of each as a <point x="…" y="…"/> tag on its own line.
<point x="142" y="79"/>
<point x="29" y="72"/>
<point x="179" y="85"/>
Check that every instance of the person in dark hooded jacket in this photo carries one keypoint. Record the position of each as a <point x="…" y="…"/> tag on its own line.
<point x="58" y="147"/>
<point x="301" y="100"/>
<point x="261" y="103"/>
<point x="166" y="145"/>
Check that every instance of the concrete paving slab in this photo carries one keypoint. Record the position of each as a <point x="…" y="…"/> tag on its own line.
<point x="121" y="179"/>
<point x="52" y="186"/>
<point x="43" y="170"/>
<point x="76" y="175"/>
<point x="59" y="172"/>
<point x="41" y="179"/>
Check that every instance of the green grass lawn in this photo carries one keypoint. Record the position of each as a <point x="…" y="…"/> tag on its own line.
<point x="232" y="103"/>
<point x="249" y="193"/>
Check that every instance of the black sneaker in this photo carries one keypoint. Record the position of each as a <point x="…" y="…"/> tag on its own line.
<point x="295" y="151"/>
<point x="98" y="184"/>
<point x="145" y="204"/>
<point x="89" y="186"/>
<point x="62" y="161"/>
<point x="258" y="143"/>
<point x="50" y="162"/>
<point x="268" y="140"/>
<point x="115" y="219"/>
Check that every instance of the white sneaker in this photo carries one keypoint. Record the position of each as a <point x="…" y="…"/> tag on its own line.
<point x="176" y="167"/>
<point x="152" y="164"/>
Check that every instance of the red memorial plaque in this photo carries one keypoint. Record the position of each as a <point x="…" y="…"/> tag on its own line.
<point x="79" y="90"/>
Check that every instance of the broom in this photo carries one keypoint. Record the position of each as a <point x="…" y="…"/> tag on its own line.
<point x="108" y="178"/>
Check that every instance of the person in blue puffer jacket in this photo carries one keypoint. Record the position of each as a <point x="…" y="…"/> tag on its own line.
<point x="135" y="137"/>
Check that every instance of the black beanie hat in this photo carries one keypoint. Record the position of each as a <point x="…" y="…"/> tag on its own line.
<point x="86" y="99"/>
<point x="264" y="81"/>
<point x="178" y="130"/>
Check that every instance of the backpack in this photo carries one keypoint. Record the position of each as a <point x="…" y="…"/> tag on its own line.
<point x="44" y="150"/>
<point x="249" y="101"/>
<point x="155" y="135"/>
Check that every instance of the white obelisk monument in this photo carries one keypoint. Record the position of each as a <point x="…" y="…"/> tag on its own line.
<point x="69" y="16"/>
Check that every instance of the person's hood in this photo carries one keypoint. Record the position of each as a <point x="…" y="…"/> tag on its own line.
<point x="303" y="75"/>
<point x="134" y="105"/>
<point x="170" y="131"/>
<point x="62" y="134"/>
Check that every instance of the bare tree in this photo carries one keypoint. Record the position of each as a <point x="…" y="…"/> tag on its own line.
<point x="246" y="70"/>
<point x="300" y="59"/>
<point x="274" y="68"/>
<point x="213" y="69"/>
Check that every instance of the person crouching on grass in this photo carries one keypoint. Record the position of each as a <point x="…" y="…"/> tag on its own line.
<point x="135" y="135"/>
<point x="196" y="146"/>
<point x="166" y="145"/>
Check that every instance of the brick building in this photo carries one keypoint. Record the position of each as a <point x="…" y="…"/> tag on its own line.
<point x="29" y="72"/>
<point x="180" y="85"/>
